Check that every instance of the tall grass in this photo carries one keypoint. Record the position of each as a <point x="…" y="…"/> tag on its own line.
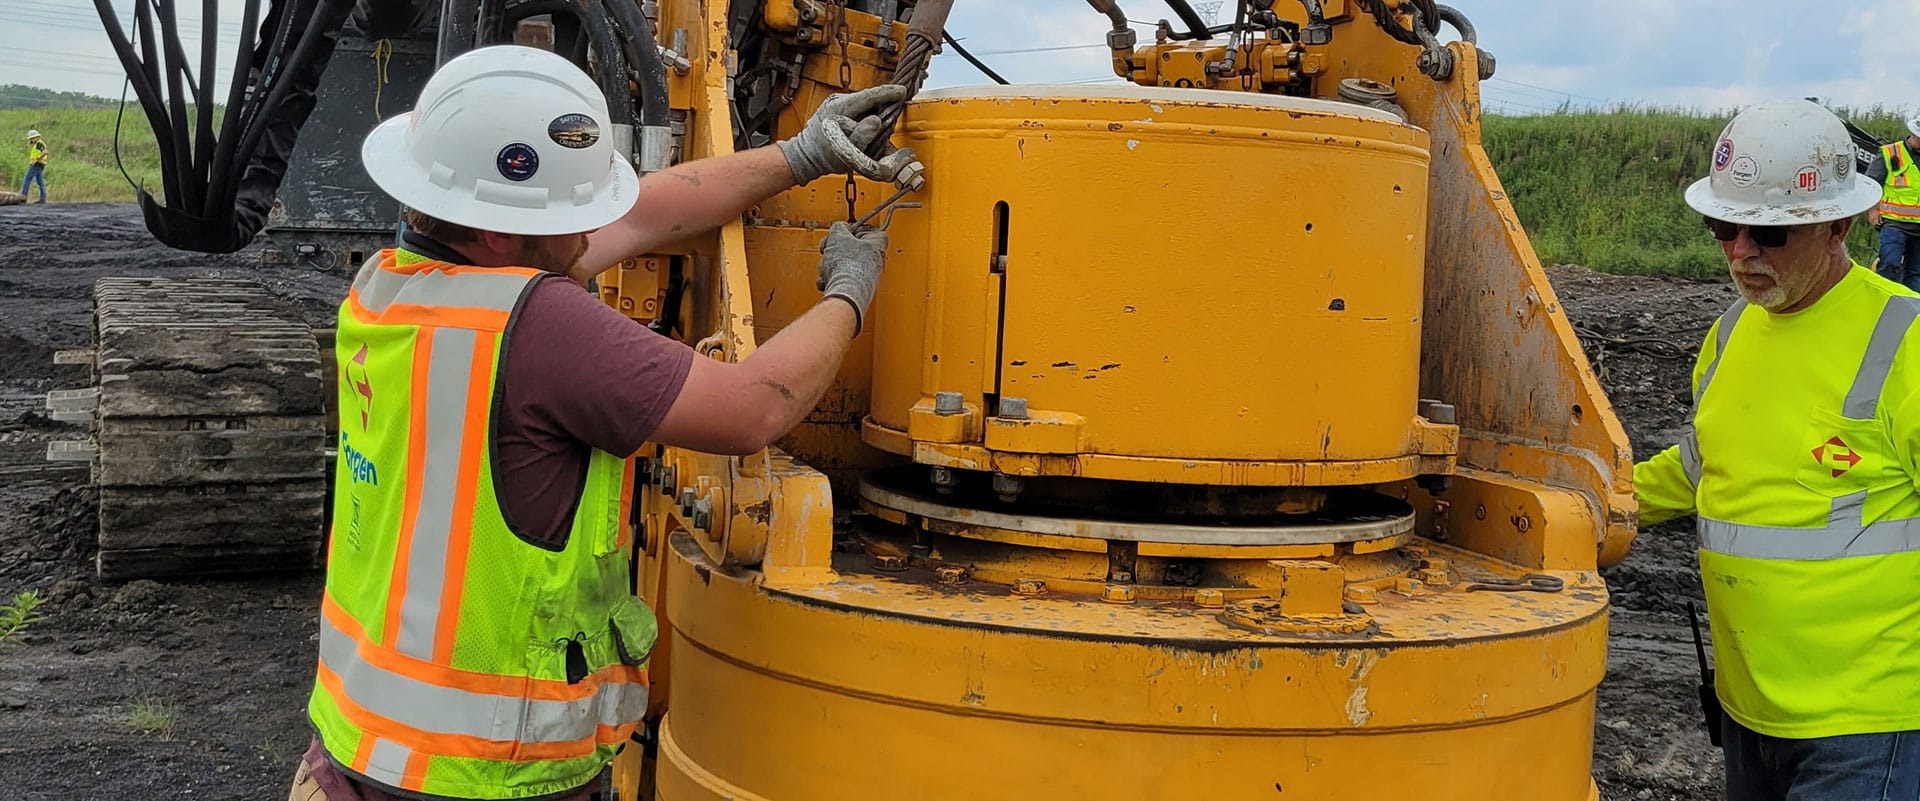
<point x="1605" y="189"/>
<point x="1597" y="188"/>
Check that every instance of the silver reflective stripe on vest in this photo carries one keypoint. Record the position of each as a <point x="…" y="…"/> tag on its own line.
<point x="473" y="289"/>
<point x="499" y="718"/>
<point x="1690" y="445"/>
<point x="449" y="376"/>
<point x="387" y="763"/>
<point x="1888" y="333"/>
<point x="1846" y="533"/>
<point x="1810" y="544"/>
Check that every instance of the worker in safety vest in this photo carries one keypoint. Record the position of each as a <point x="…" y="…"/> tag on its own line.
<point x="1898" y="215"/>
<point x="1802" y="463"/>
<point x="36" y="165"/>
<point x="478" y="639"/>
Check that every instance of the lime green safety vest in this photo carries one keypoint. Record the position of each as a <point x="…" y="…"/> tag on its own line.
<point x="36" y="153"/>
<point x="457" y="658"/>
<point x="1900" y="196"/>
<point x="1802" y="464"/>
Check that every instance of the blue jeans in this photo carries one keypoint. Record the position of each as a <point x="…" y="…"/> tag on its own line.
<point x="37" y="174"/>
<point x="1853" y="767"/>
<point x="1900" y="255"/>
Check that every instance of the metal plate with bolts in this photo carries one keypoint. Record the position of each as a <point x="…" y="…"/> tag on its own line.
<point x="877" y="490"/>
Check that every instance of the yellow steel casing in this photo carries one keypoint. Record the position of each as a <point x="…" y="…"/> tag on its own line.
<point x="1159" y="324"/>
<point x="875" y="685"/>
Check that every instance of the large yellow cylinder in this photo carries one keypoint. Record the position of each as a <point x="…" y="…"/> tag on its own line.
<point x="1168" y="278"/>
<point x="892" y="686"/>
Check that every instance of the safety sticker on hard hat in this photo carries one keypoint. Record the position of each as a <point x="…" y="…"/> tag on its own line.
<point x="1745" y="172"/>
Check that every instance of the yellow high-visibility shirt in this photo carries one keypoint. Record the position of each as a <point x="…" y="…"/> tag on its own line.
<point x="1802" y="466"/>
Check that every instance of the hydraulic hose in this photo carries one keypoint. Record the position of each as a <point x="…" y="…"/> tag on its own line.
<point x="643" y="53"/>
<point x="1113" y="12"/>
<point x="598" y="27"/>
<point x="1196" y="26"/>
<point x="974" y="61"/>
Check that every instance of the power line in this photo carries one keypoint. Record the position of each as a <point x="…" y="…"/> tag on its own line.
<point x="1551" y="91"/>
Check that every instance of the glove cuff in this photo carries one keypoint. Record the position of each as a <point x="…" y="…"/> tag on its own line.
<point x="798" y="161"/>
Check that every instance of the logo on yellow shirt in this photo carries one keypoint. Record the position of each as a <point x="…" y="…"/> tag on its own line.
<point x="1836" y="455"/>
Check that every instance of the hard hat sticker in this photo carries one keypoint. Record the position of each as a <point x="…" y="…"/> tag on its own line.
<point x="1843" y="167"/>
<point x="1809" y="179"/>
<point x="1723" y="154"/>
<point x="518" y="162"/>
<point x="574" y="131"/>
<point x="1744" y="172"/>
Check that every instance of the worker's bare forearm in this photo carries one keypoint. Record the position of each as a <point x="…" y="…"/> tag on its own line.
<point x="788" y="375"/>
<point x="687" y="199"/>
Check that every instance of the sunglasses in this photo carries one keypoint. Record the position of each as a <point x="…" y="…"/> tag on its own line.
<point x="1766" y="236"/>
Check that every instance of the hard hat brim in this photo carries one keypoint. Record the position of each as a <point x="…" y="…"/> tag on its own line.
<point x="1862" y="195"/>
<point x="385" y="159"/>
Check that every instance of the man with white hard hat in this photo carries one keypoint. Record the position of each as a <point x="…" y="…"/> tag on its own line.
<point x="1898" y="215"/>
<point x="36" y="165"/>
<point x="477" y="636"/>
<point x="1802" y="464"/>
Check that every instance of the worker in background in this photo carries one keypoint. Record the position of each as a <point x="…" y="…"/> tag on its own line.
<point x="1802" y="464"/>
<point x="1897" y="217"/>
<point x="36" y="165"/>
<point x="478" y="639"/>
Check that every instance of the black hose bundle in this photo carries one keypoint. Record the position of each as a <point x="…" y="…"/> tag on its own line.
<point x="1429" y="17"/>
<point x="219" y="189"/>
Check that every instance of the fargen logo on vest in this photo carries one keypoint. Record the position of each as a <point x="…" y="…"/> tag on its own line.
<point x="362" y="386"/>
<point x="362" y="468"/>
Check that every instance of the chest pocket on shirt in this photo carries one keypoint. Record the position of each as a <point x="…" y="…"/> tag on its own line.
<point x="1845" y="455"/>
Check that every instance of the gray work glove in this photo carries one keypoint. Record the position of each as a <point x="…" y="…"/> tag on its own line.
<point x="835" y="138"/>
<point x="850" y="262"/>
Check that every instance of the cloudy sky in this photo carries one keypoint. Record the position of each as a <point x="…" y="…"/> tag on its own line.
<point x="1706" y="54"/>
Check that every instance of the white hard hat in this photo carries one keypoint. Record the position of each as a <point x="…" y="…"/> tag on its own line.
<point x="33" y="134"/>
<point x="1913" y="124"/>
<point x="1783" y="162"/>
<point x="509" y="139"/>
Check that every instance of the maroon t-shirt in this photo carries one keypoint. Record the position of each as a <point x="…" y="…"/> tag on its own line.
<point x="575" y="376"/>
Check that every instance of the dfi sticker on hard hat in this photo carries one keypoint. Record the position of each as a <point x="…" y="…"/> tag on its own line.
<point x="1809" y="180"/>
<point x="574" y="130"/>
<point x="1723" y="155"/>
<point x="1745" y="172"/>
<point x="518" y="162"/>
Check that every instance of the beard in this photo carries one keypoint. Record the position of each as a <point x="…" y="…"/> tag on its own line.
<point x="1768" y="294"/>
<point x="554" y="254"/>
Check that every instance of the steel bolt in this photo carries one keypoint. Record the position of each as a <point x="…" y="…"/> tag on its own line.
<point x="1487" y="65"/>
<point x="1117" y="594"/>
<point x="1121" y="576"/>
<point x="668" y="477"/>
<point x="943" y="480"/>
<point x="686" y="502"/>
<point x="1029" y="587"/>
<point x="1013" y="408"/>
<point x="1362" y="595"/>
<point x="950" y="574"/>
<point x="1008" y="487"/>
<point x="948" y="403"/>
<point x="891" y="563"/>
<point x="1212" y="599"/>
<point x="1407" y="586"/>
<point x="702" y="513"/>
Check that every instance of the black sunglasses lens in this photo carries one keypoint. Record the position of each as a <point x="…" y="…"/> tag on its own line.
<point x="1766" y="236"/>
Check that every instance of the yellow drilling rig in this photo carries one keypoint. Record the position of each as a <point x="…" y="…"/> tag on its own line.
<point x="1216" y="434"/>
